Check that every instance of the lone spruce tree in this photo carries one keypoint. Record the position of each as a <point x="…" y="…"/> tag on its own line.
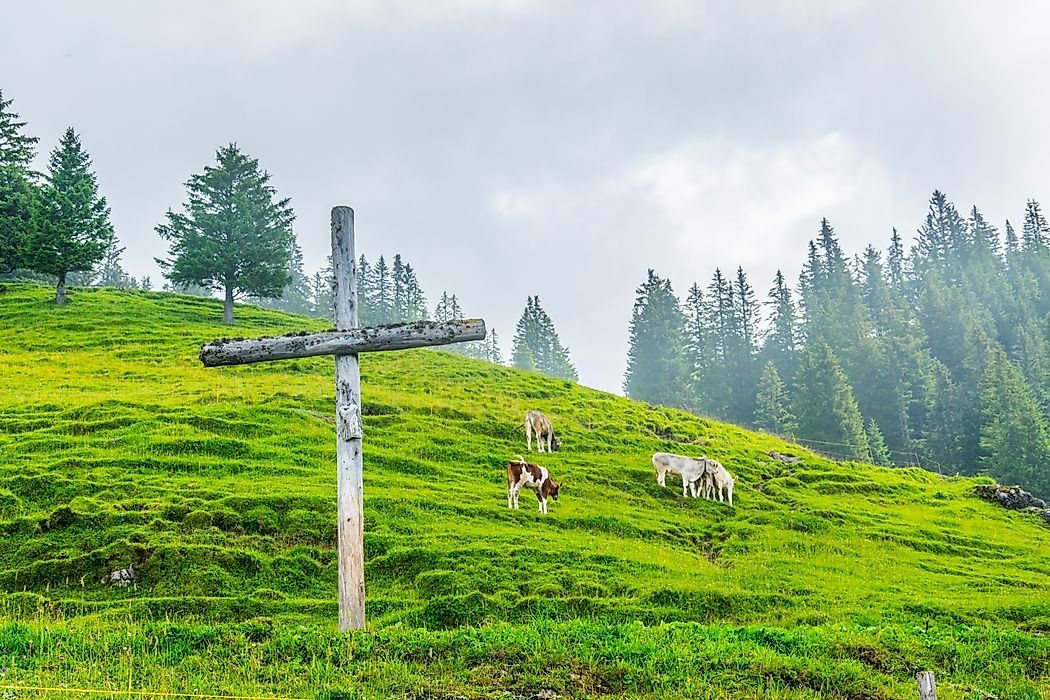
<point x="234" y="236"/>
<point x="16" y="186"/>
<point x="72" y="230"/>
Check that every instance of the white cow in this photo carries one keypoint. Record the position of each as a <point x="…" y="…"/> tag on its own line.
<point x="691" y="470"/>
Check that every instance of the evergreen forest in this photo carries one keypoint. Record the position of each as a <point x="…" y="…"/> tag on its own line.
<point x="935" y="355"/>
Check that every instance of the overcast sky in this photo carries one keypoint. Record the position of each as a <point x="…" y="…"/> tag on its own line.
<point x="508" y="148"/>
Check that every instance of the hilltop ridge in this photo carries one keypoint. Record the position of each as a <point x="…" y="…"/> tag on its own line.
<point x="218" y="485"/>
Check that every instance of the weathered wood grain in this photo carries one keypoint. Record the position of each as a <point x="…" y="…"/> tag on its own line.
<point x="349" y="477"/>
<point x="349" y="341"/>
<point x="927" y="686"/>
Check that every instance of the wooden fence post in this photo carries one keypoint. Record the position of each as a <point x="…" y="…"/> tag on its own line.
<point x="927" y="686"/>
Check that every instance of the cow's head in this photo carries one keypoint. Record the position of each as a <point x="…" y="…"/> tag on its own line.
<point x="554" y="489"/>
<point x="555" y="442"/>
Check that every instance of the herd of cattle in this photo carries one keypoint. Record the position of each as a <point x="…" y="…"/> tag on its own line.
<point x="700" y="477"/>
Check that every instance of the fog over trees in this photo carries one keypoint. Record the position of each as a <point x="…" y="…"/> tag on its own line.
<point x="937" y="355"/>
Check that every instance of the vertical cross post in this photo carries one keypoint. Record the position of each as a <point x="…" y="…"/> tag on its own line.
<point x="348" y="430"/>
<point x="927" y="685"/>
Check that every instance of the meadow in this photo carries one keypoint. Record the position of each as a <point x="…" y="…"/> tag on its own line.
<point x="118" y="447"/>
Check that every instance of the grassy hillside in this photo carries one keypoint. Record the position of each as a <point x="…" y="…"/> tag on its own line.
<point x="116" y="447"/>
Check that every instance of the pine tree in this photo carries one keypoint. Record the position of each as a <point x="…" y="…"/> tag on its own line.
<point x="399" y="291"/>
<point x="780" y="345"/>
<point x="443" y="310"/>
<point x="695" y="351"/>
<point x="455" y="312"/>
<point x="984" y="237"/>
<point x="742" y="359"/>
<point x="537" y="346"/>
<point x="493" y="354"/>
<point x="526" y="336"/>
<point x="380" y="290"/>
<point x="895" y="262"/>
<point x="771" y="404"/>
<point x="880" y="453"/>
<point x="234" y="235"/>
<point x="824" y="404"/>
<point x="1011" y="244"/>
<point x="17" y="188"/>
<point x="1014" y="442"/>
<point x="721" y="333"/>
<point x="415" y="301"/>
<point x="941" y="236"/>
<point x="657" y="366"/>
<point x="1036" y="232"/>
<point x="72" y="229"/>
<point x="366" y="303"/>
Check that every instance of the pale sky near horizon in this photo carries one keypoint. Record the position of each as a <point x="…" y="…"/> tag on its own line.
<point x="515" y="147"/>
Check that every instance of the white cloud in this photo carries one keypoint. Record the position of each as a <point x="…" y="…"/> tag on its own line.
<point x="726" y="203"/>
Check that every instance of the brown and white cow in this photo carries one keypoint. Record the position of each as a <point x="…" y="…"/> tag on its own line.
<point x="522" y="474"/>
<point x="539" y="425"/>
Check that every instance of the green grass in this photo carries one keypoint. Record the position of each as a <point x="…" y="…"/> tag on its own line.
<point x="116" y="446"/>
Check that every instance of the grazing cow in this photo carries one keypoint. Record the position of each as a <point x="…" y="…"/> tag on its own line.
<point x="538" y="424"/>
<point x="522" y="474"/>
<point x="691" y="470"/>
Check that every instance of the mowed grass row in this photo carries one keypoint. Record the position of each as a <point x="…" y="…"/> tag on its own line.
<point x="218" y="485"/>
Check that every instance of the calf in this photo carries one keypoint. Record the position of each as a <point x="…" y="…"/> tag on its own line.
<point x="522" y="474"/>
<point x="538" y="424"/>
<point x="721" y="482"/>
<point x="691" y="470"/>
<point x="715" y="481"/>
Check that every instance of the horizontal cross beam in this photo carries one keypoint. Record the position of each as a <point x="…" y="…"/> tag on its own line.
<point x="239" y="351"/>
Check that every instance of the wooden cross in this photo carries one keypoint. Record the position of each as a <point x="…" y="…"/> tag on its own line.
<point x="345" y="342"/>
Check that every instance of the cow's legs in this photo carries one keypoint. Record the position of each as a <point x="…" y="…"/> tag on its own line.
<point x="661" y="475"/>
<point x="543" y="504"/>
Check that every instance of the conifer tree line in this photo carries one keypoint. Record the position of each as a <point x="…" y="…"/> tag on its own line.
<point x="232" y="235"/>
<point x="53" y="224"/>
<point x="938" y="355"/>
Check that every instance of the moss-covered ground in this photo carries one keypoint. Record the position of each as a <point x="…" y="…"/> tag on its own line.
<point x="118" y="447"/>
